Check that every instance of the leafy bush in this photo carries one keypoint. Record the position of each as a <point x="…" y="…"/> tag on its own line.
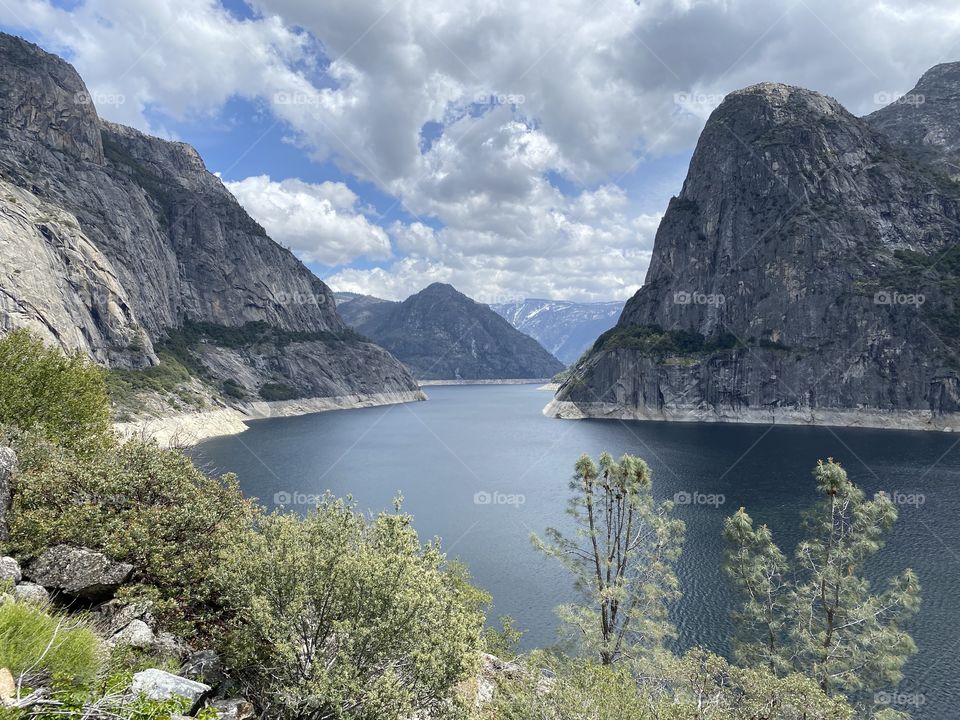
<point x="139" y="504"/>
<point x="278" y="391"/>
<point x="39" y="646"/>
<point x="64" y="397"/>
<point x="231" y="388"/>
<point x="345" y="617"/>
<point x="699" y="685"/>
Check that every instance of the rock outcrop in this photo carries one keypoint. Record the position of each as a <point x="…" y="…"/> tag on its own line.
<point x="10" y="571"/>
<point x="118" y="244"/>
<point x="806" y="273"/>
<point x="441" y="334"/>
<point x="925" y="120"/>
<point x="160" y="685"/>
<point x="78" y="572"/>
<point x="8" y="469"/>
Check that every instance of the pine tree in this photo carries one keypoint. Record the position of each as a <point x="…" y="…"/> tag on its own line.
<point x="621" y="557"/>
<point x="819" y="615"/>
<point x="758" y="569"/>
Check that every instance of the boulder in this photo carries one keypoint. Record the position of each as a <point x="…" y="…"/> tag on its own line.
<point x="9" y="570"/>
<point x="170" y="646"/>
<point x="160" y="685"/>
<point x="8" y="468"/>
<point x="31" y="592"/>
<point x="204" y="666"/>
<point x="136" y="634"/>
<point x="115" y="615"/>
<point x="234" y="709"/>
<point x="79" y="572"/>
<point x="8" y="687"/>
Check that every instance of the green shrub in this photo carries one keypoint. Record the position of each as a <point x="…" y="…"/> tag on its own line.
<point x="62" y="396"/>
<point x="39" y="646"/>
<point x="168" y="378"/>
<point x="278" y="391"/>
<point x="654" y="340"/>
<point x="345" y="617"/>
<point x="139" y="504"/>
<point x="231" y="388"/>
<point x="699" y="685"/>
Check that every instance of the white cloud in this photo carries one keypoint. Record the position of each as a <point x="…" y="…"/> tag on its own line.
<point x="573" y="89"/>
<point x="319" y="222"/>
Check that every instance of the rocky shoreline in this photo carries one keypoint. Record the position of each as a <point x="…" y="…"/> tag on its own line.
<point x="191" y="428"/>
<point x="829" y="417"/>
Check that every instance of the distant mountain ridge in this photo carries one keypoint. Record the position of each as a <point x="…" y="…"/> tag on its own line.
<point x="808" y="272"/>
<point x="441" y="334"/>
<point x="565" y="328"/>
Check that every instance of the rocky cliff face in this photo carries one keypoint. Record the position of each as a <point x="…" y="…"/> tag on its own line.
<point x="441" y="334"/>
<point x="807" y="272"/>
<point x="113" y="240"/>
<point x="925" y="120"/>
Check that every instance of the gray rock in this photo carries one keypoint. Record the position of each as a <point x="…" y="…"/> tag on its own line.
<point x="161" y="685"/>
<point x="204" y="666"/>
<point x="136" y="634"/>
<point x="31" y="592"/>
<point x="925" y="119"/>
<point x="114" y="615"/>
<point x="79" y="572"/>
<point x="785" y="278"/>
<point x="111" y="238"/>
<point x="234" y="709"/>
<point x="8" y="469"/>
<point x="170" y="646"/>
<point x="9" y="570"/>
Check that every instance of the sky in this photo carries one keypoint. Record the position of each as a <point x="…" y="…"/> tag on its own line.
<point x="513" y="148"/>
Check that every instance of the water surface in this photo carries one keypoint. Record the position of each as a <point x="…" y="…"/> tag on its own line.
<point x="482" y="468"/>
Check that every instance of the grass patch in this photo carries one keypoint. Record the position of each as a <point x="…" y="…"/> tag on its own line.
<point x="42" y="646"/>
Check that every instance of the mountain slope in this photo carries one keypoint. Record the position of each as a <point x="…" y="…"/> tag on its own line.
<point x="357" y="310"/>
<point x="564" y="328"/>
<point x="806" y="273"/>
<point x="123" y="245"/>
<point x="441" y="334"/>
<point x="925" y="120"/>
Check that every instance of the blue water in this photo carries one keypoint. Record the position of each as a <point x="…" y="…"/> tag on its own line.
<point x="482" y="468"/>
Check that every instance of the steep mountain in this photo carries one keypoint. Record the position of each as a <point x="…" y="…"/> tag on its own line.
<point x="441" y="334"/>
<point x="125" y="247"/>
<point x="808" y="272"/>
<point x="564" y="328"/>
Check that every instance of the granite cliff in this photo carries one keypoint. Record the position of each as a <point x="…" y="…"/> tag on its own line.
<point x="125" y="247"/>
<point x="806" y="273"/>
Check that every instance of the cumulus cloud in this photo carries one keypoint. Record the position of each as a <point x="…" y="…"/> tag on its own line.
<point x="474" y="115"/>
<point x="319" y="222"/>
